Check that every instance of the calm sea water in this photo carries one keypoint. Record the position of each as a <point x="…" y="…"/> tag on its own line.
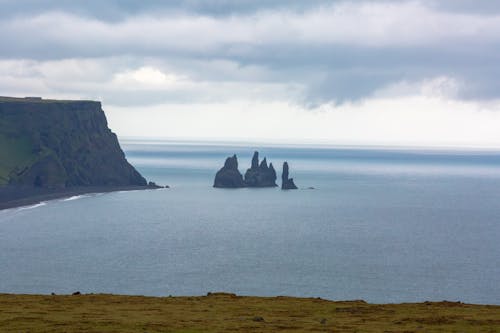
<point x="380" y="225"/>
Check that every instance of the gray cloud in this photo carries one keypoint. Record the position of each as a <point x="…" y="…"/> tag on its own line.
<point x="120" y="9"/>
<point x="281" y="43"/>
<point x="484" y="7"/>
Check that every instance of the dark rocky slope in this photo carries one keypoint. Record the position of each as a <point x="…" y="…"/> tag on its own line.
<point x="60" y="144"/>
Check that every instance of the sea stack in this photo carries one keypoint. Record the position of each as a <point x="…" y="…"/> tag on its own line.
<point x="260" y="175"/>
<point x="229" y="176"/>
<point x="287" y="183"/>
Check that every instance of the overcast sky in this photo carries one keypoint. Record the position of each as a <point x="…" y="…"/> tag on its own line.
<point x="419" y="73"/>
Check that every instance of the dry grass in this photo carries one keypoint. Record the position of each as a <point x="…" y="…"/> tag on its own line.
<point x="230" y="313"/>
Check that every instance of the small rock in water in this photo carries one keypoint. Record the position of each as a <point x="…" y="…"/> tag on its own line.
<point x="287" y="183"/>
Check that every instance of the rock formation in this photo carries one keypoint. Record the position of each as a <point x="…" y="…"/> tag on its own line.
<point x="287" y="183"/>
<point x="260" y="175"/>
<point x="60" y="144"/>
<point x="229" y="176"/>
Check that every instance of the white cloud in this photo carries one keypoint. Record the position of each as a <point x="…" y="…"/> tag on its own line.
<point x="120" y="81"/>
<point x="146" y="77"/>
<point x="411" y="121"/>
<point x="438" y="87"/>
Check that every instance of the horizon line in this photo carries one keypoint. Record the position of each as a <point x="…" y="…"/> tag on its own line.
<point x="127" y="140"/>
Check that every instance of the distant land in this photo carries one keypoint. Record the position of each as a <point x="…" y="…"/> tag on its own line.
<point x="53" y="148"/>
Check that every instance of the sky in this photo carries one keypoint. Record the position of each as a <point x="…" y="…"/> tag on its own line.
<point x="403" y="73"/>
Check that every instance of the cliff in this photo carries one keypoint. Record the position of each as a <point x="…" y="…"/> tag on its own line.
<point x="60" y="144"/>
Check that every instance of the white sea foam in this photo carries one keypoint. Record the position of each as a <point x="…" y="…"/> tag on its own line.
<point x="40" y="204"/>
<point x="76" y="197"/>
<point x="127" y="191"/>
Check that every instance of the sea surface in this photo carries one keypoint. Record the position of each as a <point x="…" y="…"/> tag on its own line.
<point x="383" y="225"/>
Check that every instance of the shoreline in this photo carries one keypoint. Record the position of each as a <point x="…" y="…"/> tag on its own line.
<point x="224" y="312"/>
<point x="23" y="197"/>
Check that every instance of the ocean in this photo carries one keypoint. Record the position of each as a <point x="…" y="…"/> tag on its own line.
<point x="379" y="224"/>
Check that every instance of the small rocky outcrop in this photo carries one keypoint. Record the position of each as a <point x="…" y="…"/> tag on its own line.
<point x="153" y="185"/>
<point x="287" y="183"/>
<point x="229" y="176"/>
<point x="260" y="175"/>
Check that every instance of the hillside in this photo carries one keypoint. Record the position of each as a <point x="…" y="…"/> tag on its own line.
<point x="230" y="313"/>
<point x="60" y="144"/>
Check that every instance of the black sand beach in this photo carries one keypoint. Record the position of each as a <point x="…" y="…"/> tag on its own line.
<point x="15" y="196"/>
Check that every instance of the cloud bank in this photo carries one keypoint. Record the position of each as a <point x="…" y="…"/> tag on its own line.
<point x="365" y="72"/>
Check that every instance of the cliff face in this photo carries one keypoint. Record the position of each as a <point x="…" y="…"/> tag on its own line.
<point x="49" y="143"/>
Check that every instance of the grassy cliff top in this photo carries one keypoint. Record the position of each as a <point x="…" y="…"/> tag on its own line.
<point x="4" y="99"/>
<point x="230" y="313"/>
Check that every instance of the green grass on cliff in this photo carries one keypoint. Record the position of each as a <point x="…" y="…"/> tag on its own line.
<point x="14" y="153"/>
<point x="230" y="313"/>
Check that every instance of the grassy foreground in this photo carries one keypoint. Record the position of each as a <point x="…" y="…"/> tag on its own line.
<point x="229" y="313"/>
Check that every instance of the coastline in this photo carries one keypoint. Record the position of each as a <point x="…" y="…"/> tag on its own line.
<point x="222" y="312"/>
<point x="15" y="197"/>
